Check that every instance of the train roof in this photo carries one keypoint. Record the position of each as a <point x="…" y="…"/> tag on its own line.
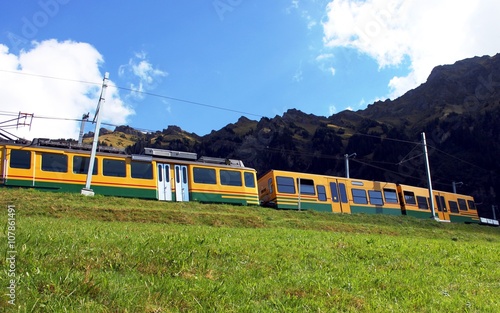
<point x="149" y="154"/>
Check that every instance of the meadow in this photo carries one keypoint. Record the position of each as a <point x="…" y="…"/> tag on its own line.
<point x="106" y="254"/>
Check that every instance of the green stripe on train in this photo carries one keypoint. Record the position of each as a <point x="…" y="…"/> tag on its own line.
<point x="374" y="210"/>
<point x="98" y="190"/>
<point x="304" y="205"/>
<point x="223" y="198"/>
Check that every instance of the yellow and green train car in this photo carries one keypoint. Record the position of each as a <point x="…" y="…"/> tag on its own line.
<point x="448" y="206"/>
<point x="291" y="190"/>
<point x="158" y="174"/>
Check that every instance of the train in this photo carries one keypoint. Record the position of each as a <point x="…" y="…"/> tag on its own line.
<point x="167" y="175"/>
<point x="163" y="175"/>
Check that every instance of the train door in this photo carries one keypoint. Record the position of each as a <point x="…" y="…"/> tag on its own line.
<point x="164" y="183"/>
<point x="181" y="183"/>
<point x="441" y="208"/>
<point x="339" y="199"/>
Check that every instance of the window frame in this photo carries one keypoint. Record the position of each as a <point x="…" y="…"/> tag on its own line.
<point x="112" y="172"/>
<point x="409" y="195"/>
<point x="200" y="175"/>
<point x="378" y="197"/>
<point x="390" y="191"/>
<point x="285" y="188"/>
<point x="358" y="194"/>
<point x="321" y="190"/>
<point x="249" y="179"/>
<point x="15" y="161"/>
<point x="86" y="164"/>
<point x="230" y="178"/>
<point x="141" y="170"/>
<point x="49" y="162"/>
<point x="306" y="186"/>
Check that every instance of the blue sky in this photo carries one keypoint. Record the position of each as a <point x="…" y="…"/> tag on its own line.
<point x="220" y="56"/>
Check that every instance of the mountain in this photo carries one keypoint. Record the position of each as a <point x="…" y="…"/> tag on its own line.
<point x="458" y="109"/>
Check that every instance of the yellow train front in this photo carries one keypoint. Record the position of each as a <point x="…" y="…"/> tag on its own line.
<point x="292" y="190"/>
<point x="158" y="174"/>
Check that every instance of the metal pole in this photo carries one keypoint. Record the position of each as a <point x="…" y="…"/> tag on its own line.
<point x="346" y="156"/>
<point x="87" y="191"/>
<point x="85" y="117"/>
<point x="298" y="182"/>
<point x="455" y="184"/>
<point x="429" y="180"/>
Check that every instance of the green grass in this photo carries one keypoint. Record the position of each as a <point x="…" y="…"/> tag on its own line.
<point x="105" y="254"/>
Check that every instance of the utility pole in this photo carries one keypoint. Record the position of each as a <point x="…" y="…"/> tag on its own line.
<point x="455" y="184"/>
<point x="86" y="190"/>
<point x="346" y="158"/>
<point x="429" y="180"/>
<point x="85" y="117"/>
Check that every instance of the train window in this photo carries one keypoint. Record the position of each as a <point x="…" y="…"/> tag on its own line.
<point x="177" y="174"/>
<point x="115" y="168"/>
<point x="20" y="159"/>
<point x="333" y="190"/>
<point x="462" y="205"/>
<point x="230" y="178"/>
<point x="81" y="165"/>
<point x="321" y="192"/>
<point x="359" y="196"/>
<point x="270" y="185"/>
<point x="142" y="170"/>
<point x="160" y="173"/>
<point x="472" y="205"/>
<point x="422" y="203"/>
<point x="390" y="196"/>
<point x="375" y="197"/>
<point x="249" y="180"/>
<point x="52" y="162"/>
<point x="453" y="206"/>
<point x="343" y="193"/>
<point x="285" y="184"/>
<point x="441" y="204"/>
<point x="204" y="175"/>
<point x="184" y="175"/>
<point x="409" y="197"/>
<point x="306" y="186"/>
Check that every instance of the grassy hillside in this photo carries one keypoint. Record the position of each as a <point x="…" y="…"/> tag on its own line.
<point x="105" y="254"/>
<point x="115" y="139"/>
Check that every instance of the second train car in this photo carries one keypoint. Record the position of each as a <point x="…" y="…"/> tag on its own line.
<point x="292" y="190"/>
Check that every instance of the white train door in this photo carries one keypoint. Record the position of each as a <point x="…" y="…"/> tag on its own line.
<point x="181" y="183"/>
<point x="164" y="184"/>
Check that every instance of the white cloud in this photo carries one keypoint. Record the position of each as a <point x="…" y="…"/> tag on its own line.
<point x="427" y="33"/>
<point x="23" y="90"/>
<point x="324" y="60"/>
<point x="298" y="76"/>
<point x="332" y="109"/>
<point x="324" y="56"/>
<point x="140" y="68"/>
